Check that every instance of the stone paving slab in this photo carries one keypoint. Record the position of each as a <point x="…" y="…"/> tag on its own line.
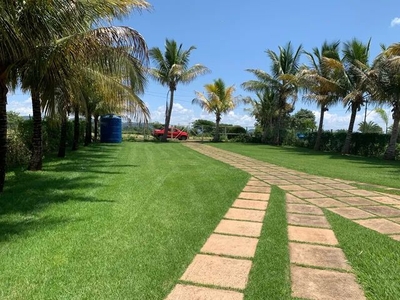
<point x="395" y="237"/>
<point x="364" y="193"/>
<point x="254" y="196"/>
<point x="218" y="271"/>
<point x="242" y="228"/>
<point x="335" y="193"/>
<point x="292" y="187"/>
<point x="351" y="213"/>
<point x="327" y="202"/>
<point x="324" y="180"/>
<point x="323" y="284"/>
<point x="255" y="182"/>
<point x="230" y="245"/>
<point x="304" y="209"/>
<point x="385" y="200"/>
<point x="190" y="292"/>
<point x="302" y="181"/>
<point x="293" y="199"/>
<point x="245" y="214"/>
<point x="356" y="201"/>
<point x="306" y="220"/>
<point x="383" y="211"/>
<point x="380" y="225"/>
<point x="278" y="181"/>
<point x="312" y="235"/>
<point x="257" y="189"/>
<point x="342" y="186"/>
<point x="307" y="194"/>
<point x="317" y="187"/>
<point x="318" y="256"/>
<point x="260" y="205"/>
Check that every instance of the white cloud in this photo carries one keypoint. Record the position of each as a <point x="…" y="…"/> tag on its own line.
<point x="395" y="22"/>
<point x="24" y="108"/>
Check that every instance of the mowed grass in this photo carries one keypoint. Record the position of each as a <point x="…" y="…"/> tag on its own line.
<point x="375" y="257"/>
<point x="270" y="275"/>
<point x="361" y="169"/>
<point x="110" y="221"/>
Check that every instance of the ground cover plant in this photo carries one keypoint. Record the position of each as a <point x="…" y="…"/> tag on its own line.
<point x="360" y="169"/>
<point x="374" y="257"/>
<point x="110" y="221"/>
<point x="270" y="274"/>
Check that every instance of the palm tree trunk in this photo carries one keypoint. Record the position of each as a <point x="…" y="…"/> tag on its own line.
<point x="347" y="142"/>
<point x="317" y="145"/>
<point x="88" y="131"/>
<point x="390" y="153"/>
<point x="35" y="163"/>
<point x="168" y="115"/>
<point x="216" y="135"/>
<point x="75" y="143"/>
<point x="278" y="129"/>
<point x="264" y="136"/>
<point x="96" y="127"/>
<point x="63" y="136"/>
<point x="3" y="132"/>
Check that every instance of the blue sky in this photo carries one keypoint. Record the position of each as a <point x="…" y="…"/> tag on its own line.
<point x="231" y="37"/>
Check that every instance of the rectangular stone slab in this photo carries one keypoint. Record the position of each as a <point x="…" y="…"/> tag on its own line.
<point x="318" y="256"/>
<point x="306" y="220"/>
<point x="218" y="271"/>
<point x="230" y="245"/>
<point x="245" y="214"/>
<point x="380" y="225"/>
<point x="304" y="209"/>
<point x="241" y="228"/>
<point x="185" y="292"/>
<point x="312" y="235"/>
<point x="260" y="205"/>
<point x="351" y="213"/>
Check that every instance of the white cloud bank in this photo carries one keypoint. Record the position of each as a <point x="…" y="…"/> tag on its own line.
<point x="395" y="22"/>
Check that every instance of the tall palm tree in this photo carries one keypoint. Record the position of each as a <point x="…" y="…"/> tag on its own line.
<point x="384" y="116"/>
<point x="282" y="80"/>
<point x="355" y="61"/>
<point x="384" y="85"/>
<point x="219" y="100"/>
<point x="172" y="68"/>
<point x="265" y="111"/>
<point x="320" y="83"/>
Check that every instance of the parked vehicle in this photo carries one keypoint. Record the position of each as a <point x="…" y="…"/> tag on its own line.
<point x="172" y="133"/>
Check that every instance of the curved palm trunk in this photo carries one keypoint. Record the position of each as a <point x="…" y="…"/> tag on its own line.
<point x="75" y="143"/>
<point x="390" y="153"/>
<point x="63" y="136"/>
<point x="346" y="146"/>
<point x="317" y="145"/>
<point x="88" y="131"/>
<point x="217" y="121"/>
<point x="278" y="129"/>
<point x="168" y="114"/>
<point x="3" y="132"/>
<point x="35" y="163"/>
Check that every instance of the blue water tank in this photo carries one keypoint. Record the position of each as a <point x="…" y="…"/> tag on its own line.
<point x="110" y="129"/>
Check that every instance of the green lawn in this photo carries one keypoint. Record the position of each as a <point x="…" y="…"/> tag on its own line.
<point x="361" y="169"/>
<point x="111" y="221"/>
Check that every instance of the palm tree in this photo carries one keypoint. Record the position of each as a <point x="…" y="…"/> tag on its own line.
<point x="384" y="85"/>
<point x="355" y="61"/>
<point x="384" y="116"/>
<point x="265" y="110"/>
<point x="172" y="68"/>
<point x="282" y="80"/>
<point x="319" y="81"/>
<point x="219" y="100"/>
<point x="31" y="28"/>
<point x="369" y="127"/>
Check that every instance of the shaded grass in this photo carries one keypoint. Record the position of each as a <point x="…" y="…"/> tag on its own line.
<point x="374" y="257"/>
<point x="270" y="275"/>
<point x="361" y="169"/>
<point x="110" y="221"/>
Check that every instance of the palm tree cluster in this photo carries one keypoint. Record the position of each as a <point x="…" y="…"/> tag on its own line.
<point x="332" y="76"/>
<point x="70" y="58"/>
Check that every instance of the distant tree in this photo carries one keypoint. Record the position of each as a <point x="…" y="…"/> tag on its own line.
<point x="13" y="119"/>
<point x="219" y="100"/>
<point x="204" y="126"/>
<point x="384" y="116"/>
<point x="369" y="127"/>
<point x="171" y="68"/>
<point x="303" y="121"/>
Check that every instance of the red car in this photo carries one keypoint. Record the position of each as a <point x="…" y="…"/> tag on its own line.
<point x="172" y="132"/>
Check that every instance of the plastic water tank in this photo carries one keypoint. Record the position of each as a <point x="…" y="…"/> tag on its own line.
<point x="110" y="129"/>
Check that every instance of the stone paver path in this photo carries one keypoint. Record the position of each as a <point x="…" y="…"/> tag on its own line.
<point x="319" y="269"/>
